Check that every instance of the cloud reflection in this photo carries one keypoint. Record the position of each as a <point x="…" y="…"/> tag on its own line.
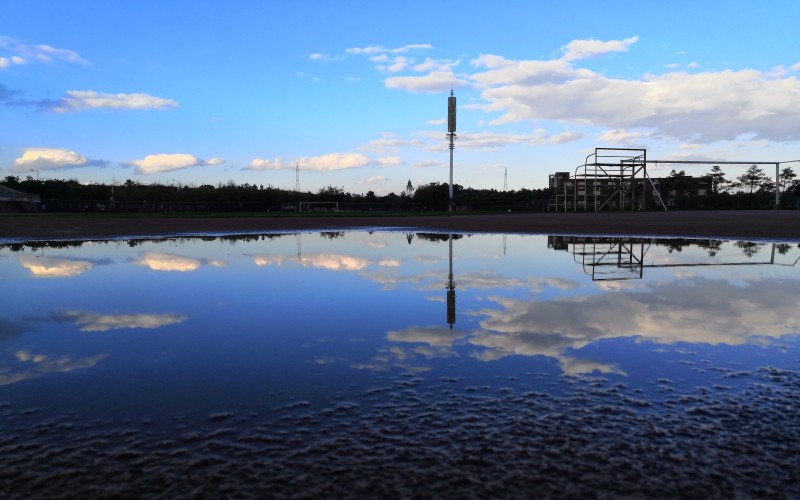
<point x="434" y="336"/>
<point x="270" y="260"/>
<point x="29" y="366"/>
<point x="93" y="322"/>
<point x="335" y="262"/>
<point x="159" y="261"/>
<point x="697" y="310"/>
<point x="52" y="267"/>
<point x="329" y="261"/>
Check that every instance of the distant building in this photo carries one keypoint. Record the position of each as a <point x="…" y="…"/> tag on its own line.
<point x="608" y="193"/>
<point x="13" y="201"/>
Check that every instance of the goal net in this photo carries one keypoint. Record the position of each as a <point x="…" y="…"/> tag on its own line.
<point x="319" y="206"/>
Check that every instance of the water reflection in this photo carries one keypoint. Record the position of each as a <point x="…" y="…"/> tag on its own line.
<point x="93" y="322"/>
<point x="159" y="261"/>
<point x="52" y="267"/>
<point x="332" y="364"/>
<point x="617" y="258"/>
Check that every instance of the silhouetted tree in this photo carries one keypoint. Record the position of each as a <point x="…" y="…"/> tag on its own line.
<point x="787" y="178"/>
<point x="718" y="180"/>
<point x="753" y="177"/>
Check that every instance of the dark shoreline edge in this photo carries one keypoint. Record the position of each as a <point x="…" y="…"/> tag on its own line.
<point x="770" y="225"/>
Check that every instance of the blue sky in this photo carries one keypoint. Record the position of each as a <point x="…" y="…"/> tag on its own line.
<point x="355" y="92"/>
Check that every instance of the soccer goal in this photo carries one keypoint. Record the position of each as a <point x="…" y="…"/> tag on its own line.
<point x="319" y="206"/>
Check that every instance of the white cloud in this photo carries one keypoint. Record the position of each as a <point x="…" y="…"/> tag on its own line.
<point x="435" y="81"/>
<point x="387" y="161"/>
<point x="378" y="49"/>
<point x="428" y="164"/>
<point x="81" y="100"/>
<point x="627" y="137"/>
<point x="324" y="163"/>
<point x="394" y="60"/>
<point x="334" y="161"/>
<point x="51" y="159"/>
<point x="528" y="73"/>
<point x="701" y="107"/>
<point x="373" y="180"/>
<point x="158" y="163"/>
<point x="561" y="138"/>
<point x="389" y="143"/>
<point x="491" y="141"/>
<point x="369" y="50"/>
<point x="22" y="53"/>
<point x="262" y="164"/>
<point x="583" y="49"/>
<point x="435" y="65"/>
<point x="398" y="64"/>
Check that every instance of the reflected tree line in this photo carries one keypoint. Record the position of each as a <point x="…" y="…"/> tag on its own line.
<point x="712" y="246"/>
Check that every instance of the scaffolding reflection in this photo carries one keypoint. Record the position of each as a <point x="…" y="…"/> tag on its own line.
<point x="609" y="258"/>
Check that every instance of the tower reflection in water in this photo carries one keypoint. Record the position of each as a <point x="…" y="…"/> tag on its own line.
<point x="451" y="287"/>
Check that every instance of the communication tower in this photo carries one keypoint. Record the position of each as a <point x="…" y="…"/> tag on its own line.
<point x="451" y="136"/>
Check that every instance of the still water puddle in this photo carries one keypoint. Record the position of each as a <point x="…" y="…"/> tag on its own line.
<point x="394" y="364"/>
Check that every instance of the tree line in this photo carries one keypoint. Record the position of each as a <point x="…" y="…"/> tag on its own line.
<point x="753" y="180"/>
<point x="431" y="196"/>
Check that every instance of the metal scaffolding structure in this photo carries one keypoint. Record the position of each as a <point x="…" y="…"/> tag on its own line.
<point x="617" y="179"/>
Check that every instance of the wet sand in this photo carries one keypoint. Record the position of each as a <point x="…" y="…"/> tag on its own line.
<point x="763" y="224"/>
